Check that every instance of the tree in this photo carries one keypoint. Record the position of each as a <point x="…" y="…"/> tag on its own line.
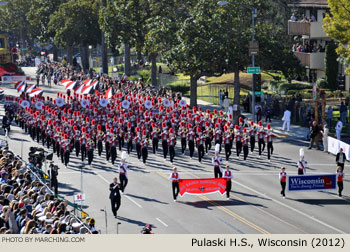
<point x="76" y="23"/>
<point x="123" y="21"/>
<point x="337" y="26"/>
<point x="331" y="66"/>
<point x="39" y="16"/>
<point x="13" y="19"/>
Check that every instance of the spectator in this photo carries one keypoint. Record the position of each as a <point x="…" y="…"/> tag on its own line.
<point x="293" y="18"/>
<point x="325" y="138"/>
<point x="314" y="135"/>
<point x="338" y="128"/>
<point x="268" y="114"/>
<point x="286" y="120"/>
<point x="26" y="205"/>
<point x="329" y="116"/>
<point x="258" y="111"/>
<point x="343" y="111"/>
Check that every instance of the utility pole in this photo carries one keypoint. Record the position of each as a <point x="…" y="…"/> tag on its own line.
<point x="104" y="48"/>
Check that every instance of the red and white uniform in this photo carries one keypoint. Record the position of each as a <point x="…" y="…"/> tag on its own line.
<point x="174" y="177"/>
<point x="283" y="176"/>
<point x="227" y="175"/>
<point x="340" y="176"/>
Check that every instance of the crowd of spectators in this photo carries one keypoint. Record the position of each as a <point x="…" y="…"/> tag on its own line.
<point x="28" y="206"/>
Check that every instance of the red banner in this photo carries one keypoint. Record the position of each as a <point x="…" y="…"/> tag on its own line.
<point x="202" y="186"/>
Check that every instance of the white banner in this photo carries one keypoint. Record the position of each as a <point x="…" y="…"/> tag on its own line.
<point x="346" y="149"/>
<point x="14" y="79"/>
<point x="333" y="145"/>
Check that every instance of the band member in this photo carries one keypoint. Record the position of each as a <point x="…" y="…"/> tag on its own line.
<point x="120" y="134"/>
<point x="83" y="142"/>
<point x="200" y="145"/>
<point x="269" y="137"/>
<point x="107" y="142"/>
<point x="216" y="162"/>
<point x="340" y="178"/>
<point x="164" y="136"/>
<point x="238" y="140"/>
<point x="100" y="137"/>
<point x="190" y="138"/>
<point x="129" y="138"/>
<point x="123" y="170"/>
<point x="113" y="146"/>
<point x="252" y="134"/>
<point x="174" y="177"/>
<point x="283" y="181"/>
<point x="227" y="142"/>
<point x="138" y="140"/>
<point x="90" y="145"/>
<point x="171" y="143"/>
<point x="155" y="138"/>
<point x="302" y="164"/>
<point x="114" y="196"/>
<point x="261" y="142"/>
<point x="245" y="143"/>
<point x="228" y="176"/>
<point x="144" y="146"/>
<point x="66" y="147"/>
<point x="207" y="134"/>
<point x="218" y="135"/>
<point x="183" y="136"/>
<point x="76" y="140"/>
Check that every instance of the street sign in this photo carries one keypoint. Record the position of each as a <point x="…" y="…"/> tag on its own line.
<point x="253" y="48"/>
<point x="79" y="197"/>
<point x="253" y="70"/>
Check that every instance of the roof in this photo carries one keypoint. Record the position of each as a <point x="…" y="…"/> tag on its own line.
<point x="309" y="3"/>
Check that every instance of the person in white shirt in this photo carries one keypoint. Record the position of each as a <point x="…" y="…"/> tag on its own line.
<point x="338" y="128"/>
<point x="174" y="178"/>
<point x="123" y="169"/>
<point x="286" y="120"/>
<point x="302" y="164"/>
<point x="324" y="138"/>
<point x="228" y="175"/>
<point x="216" y="162"/>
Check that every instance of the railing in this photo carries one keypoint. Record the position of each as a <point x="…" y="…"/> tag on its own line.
<point x="311" y="29"/>
<point x="311" y="60"/>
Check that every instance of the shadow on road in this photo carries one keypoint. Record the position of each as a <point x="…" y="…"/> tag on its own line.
<point x="147" y="199"/>
<point x="213" y="203"/>
<point x="323" y="202"/>
<point x="136" y="222"/>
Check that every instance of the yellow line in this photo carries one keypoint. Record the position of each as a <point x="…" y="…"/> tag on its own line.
<point x="224" y="209"/>
<point x="234" y="215"/>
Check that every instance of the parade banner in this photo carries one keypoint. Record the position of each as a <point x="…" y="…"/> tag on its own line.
<point x="312" y="182"/>
<point x="333" y="145"/>
<point x="14" y="78"/>
<point x="202" y="186"/>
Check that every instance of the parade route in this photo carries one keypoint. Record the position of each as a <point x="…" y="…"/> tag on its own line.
<point x="255" y="207"/>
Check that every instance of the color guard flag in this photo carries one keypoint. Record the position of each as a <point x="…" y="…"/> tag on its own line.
<point x="202" y="186"/>
<point x="109" y="93"/>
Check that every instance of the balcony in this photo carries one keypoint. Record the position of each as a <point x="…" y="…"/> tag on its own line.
<point x="312" y="29"/>
<point x="311" y="60"/>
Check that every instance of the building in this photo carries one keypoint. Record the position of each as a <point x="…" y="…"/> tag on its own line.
<point x="310" y="38"/>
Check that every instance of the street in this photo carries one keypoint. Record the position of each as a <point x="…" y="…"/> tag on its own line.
<point x="256" y="205"/>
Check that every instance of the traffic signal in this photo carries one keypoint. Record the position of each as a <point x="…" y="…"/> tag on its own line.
<point x="257" y="81"/>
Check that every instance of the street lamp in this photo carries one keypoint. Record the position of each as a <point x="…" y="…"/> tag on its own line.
<point x="254" y="15"/>
<point x="90" y="47"/>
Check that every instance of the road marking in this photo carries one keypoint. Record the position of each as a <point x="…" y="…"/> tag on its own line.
<point x="291" y="208"/>
<point x="126" y="196"/>
<point x="162" y="222"/>
<point x="273" y="216"/>
<point x="224" y="209"/>
<point x="234" y="215"/>
<point x="133" y="201"/>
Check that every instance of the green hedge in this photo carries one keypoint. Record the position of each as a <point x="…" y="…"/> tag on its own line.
<point x="293" y="86"/>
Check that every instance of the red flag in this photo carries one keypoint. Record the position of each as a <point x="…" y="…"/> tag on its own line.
<point x="202" y="186"/>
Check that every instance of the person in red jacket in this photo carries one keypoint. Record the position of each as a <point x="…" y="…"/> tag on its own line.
<point x="228" y="176"/>
<point x="340" y="178"/>
<point x="283" y="181"/>
<point x="174" y="177"/>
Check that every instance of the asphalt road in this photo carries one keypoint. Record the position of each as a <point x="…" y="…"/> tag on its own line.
<point x="255" y="206"/>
